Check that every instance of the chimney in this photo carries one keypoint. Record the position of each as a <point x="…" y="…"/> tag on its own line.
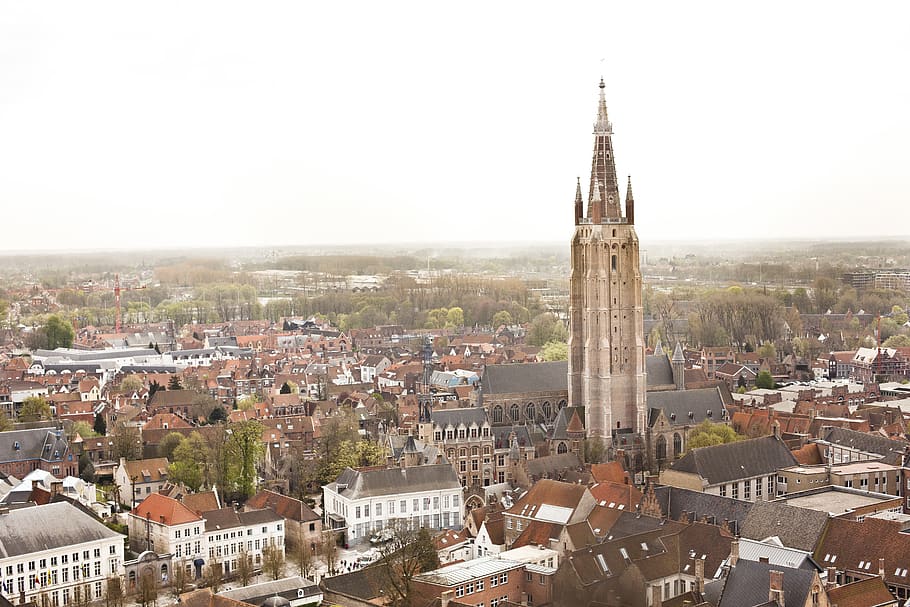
<point x="700" y="575"/>
<point x="830" y="578"/>
<point x="734" y="552"/>
<point x="656" y="597"/>
<point x="881" y="568"/>
<point x="775" y="429"/>
<point x="446" y="597"/>
<point x="776" y="588"/>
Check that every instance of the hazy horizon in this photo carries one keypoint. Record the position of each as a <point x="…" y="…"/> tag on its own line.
<point x="214" y="125"/>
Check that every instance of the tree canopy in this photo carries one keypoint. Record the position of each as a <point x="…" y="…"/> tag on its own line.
<point x="709" y="433"/>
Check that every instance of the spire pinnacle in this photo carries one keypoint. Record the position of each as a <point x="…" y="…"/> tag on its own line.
<point x="603" y="170"/>
<point x="579" y="203"/>
<point x="630" y="203"/>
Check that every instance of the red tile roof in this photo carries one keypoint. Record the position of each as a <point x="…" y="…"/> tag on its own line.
<point x="161" y="509"/>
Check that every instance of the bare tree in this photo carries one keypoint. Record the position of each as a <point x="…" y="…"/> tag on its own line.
<point x="408" y="553"/>
<point x="113" y="597"/>
<point x="244" y="568"/>
<point x="328" y="549"/>
<point x="126" y="442"/>
<point x="148" y="590"/>
<point x="303" y="553"/>
<point x="213" y="575"/>
<point x="273" y="561"/>
<point x="178" y="577"/>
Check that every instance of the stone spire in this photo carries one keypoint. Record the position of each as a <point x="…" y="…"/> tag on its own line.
<point x="603" y="169"/>
<point x="658" y="349"/>
<point x="678" y="362"/>
<point x="579" y="203"/>
<point x="630" y="203"/>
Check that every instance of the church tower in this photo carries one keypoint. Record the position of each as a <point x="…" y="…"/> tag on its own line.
<point x="606" y="327"/>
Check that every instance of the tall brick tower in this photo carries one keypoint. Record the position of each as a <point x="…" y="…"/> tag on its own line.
<point x="606" y="328"/>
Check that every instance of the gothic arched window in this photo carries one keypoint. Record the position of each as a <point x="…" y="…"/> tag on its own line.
<point x="562" y="448"/>
<point x="513" y="413"/>
<point x="547" y="412"/>
<point x="497" y="414"/>
<point x="661" y="448"/>
<point x="677" y="444"/>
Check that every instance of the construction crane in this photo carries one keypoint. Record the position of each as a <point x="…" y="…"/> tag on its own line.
<point x="117" y="289"/>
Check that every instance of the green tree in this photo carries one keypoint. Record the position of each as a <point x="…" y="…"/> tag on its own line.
<point x="190" y="459"/>
<point x="897" y="341"/>
<point x="58" y="332"/>
<point x="5" y="423"/>
<point x="131" y="383"/>
<point x="169" y="444"/>
<point x="35" y="409"/>
<point x="764" y="380"/>
<point x="546" y="328"/>
<point x="709" y="433"/>
<point x="502" y="318"/>
<point x="247" y="448"/>
<point x="554" y="350"/>
<point x="174" y="383"/>
<point x="100" y="425"/>
<point x="217" y="415"/>
<point x="454" y="318"/>
<point x="86" y="468"/>
<point x="83" y="429"/>
<point x="768" y="351"/>
<point x="247" y="403"/>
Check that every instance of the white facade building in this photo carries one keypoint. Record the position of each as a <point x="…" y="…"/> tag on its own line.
<point x="56" y="554"/>
<point x="363" y="502"/>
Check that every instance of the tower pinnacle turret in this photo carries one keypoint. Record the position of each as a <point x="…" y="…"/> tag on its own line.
<point x="630" y="203"/>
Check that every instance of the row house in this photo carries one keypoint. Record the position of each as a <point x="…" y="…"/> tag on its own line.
<point x="464" y="436"/>
<point x="168" y="527"/>
<point x="56" y="554"/>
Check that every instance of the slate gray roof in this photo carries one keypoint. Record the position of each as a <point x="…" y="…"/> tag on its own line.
<point x="551" y="464"/>
<point x="501" y="436"/>
<point x="677" y="404"/>
<point x="660" y="372"/>
<point x="891" y="450"/>
<point x="562" y="421"/>
<point x="796" y="527"/>
<point x="675" y="501"/>
<point x="37" y="443"/>
<point x="454" y="417"/>
<point x="391" y="481"/>
<point x="526" y="377"/>
<point x="94" y="355"/>
<point x="228" y="518"/>
<point x="39" y="528"/>
<point x="735" y="461"/>
<point x="748" y="582"/>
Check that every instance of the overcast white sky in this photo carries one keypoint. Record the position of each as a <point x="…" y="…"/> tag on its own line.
<point x="128" y="124"/>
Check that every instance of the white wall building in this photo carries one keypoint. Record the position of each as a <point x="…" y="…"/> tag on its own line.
<point x="56" y="553"/>
<point x="362" y="502"/>
<point x="166" y="526"/>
